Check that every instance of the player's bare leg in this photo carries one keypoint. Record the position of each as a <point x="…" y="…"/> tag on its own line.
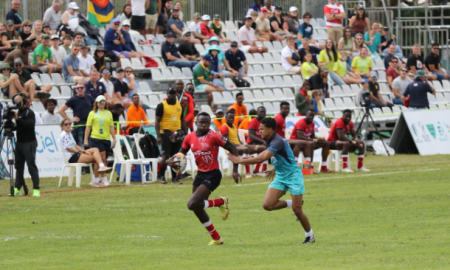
<point x="272" y="200"/>
<point x="198" y="202"/>
<point x="300" y="145"/>
<point x="297" y="207"/>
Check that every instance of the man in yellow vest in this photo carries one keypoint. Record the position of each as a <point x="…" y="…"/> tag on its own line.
<point x="170" y="130"/>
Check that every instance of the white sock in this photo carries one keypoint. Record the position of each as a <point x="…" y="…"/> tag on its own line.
<point x="101" y="165"/>
<point x="208" y="223"/>
<point x="206" y="204"/>
<point x="308" y="159"/>
<point x="104" y="178"/>
<point x="324" y="163"/>
<point x="296" y="159"/>
<point x="310" y="233"/>
<point x="244" y="155"/>
<point x="265" y="162"/>
<point x="97" y="179"/>
<point x="289" y="203"/>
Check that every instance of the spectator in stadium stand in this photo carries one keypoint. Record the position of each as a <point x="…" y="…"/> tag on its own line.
<point x="25" y="32"/>
<point x="240" y="109"/>
<point x="255" y="139"/>
<point x="219" y="120"/>
<point x="320" y="81"/>
<point x="246" y="38"/>
<point x="433" y="63"/>
<point x="399" y="86"/>
<point x="346" y="44"/>
<point x="53" y="15"/>
<point x="21" y="52"/>
<point x="180" y="7"/>
<point x="118" y="110"/>
<point x="114" y="41"/>
<point x="386" y="43"/>
<point x="358" y="45"/>
<point x="372" y="39"/>
<point x="334" y="14"/>
<point x="235" y="58"/>
<point x="288" y="54"/>
<point x="46" y="29"/>
<point x="418" y="92"/>
<point x="303" y="101"/>
<point x="13" y="14"/>
<point x="256" y="6"/>
<point x="172" y="58"/>
<point x="78" y="38"/>
<point x="176" y="25"/>
<point x="375" y="94"/>
<point x="270" y="8"/>
<point x="305" y="48"/>
<point x="190" y="89"/>
<point x="308" y="67"/>
<point x="364" y="90"/>
<point x="126" y="13"/>
<point x="95" y="88"/>
<point x="50" y="117"/>
<point x="244" y="123"/>
<point x="216" y="27"/>
<point x="138" y="8"/>
<point x="43" y="58"/>
<point x="215" y="70"/>
<point x="390" y="55"/>
<point x="58" y="53"/>
<point x="306" y="30"/>
<point x="106" y="80"/>
<point x="121" y="89"/>
<point x="168" y="120"/>
<point x="292" y="20"/>
<point x="254" y="16"/>
<point x="151" y="16"/>
<point x="393" y="71"/>
<point x="135" y="115"/>
<point x="328" y="57"/>
<point x="285" y="16"/>
<point x="362" y="64"/>
<point x="194" y="27"/>
<point x="70" y="66"/>
<point x="339" y="141"/>
<point x="263" y="27"/>
<point x="164" y="15"/>
<point x="317" y="95"/>
<point x="81" y="106"/>
<point x="340" y="71"/>
<point x="202" y="78"/>
<point x="99" y="57"/>
<point x="8" y="82"/>
<point x="66" y="42"/>
<point x="360" y="23"/>
<point x="10" y="37"/>
<point x="128" y="46"/>
<point x="186" y="100"/>
<point x="277" y="23"/>
<point x="27" y="84"/>
<point x="186" y="48"/>
<point x="71" y="13"/>
<point x="415" y="62"/>
<point x="86" y="60"/>
<point x="37" y="33"/>
<point x="222" y="61"/>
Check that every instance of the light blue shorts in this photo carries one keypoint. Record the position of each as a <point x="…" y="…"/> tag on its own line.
<point x="201" y="87"/>
<point x="294" y="184"/>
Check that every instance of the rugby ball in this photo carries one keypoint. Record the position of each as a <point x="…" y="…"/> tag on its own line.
<point x="181" y="160"/>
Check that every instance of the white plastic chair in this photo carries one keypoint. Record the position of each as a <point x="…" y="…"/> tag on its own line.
<point x="75" y="170"/>
<point x="153" y="162"/>
<point x="335" y="154"/>
<point x="125" y="169"/>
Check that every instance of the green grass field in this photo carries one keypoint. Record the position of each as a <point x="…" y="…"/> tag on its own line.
<point x="394" y="217"/>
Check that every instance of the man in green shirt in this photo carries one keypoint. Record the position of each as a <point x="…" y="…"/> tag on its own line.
<point x="42" y="55"/>
<point x="28" y="85"/>
<point x="202" y="78"/>
<point x="151" y="16"/>
<point x="216" y="27"/>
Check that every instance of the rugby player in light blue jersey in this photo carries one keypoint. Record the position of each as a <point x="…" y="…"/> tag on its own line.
<point x="288" y="175"/>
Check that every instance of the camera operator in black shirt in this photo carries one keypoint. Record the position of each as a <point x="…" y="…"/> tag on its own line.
<point x="26" y="144"/>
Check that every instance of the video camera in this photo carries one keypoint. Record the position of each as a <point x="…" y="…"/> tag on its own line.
<point x="366" y="101"/>
<point x="8" y="115"/>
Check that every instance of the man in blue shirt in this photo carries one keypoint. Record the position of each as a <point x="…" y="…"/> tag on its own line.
<point x="114" y="40"/>
<point x="70" y="66"/>
<point x="288" y="175"/>
<point x="128" y="46"/>
<point x="95" y="88"/>
<point x="171" y="56"/>
<point x="311" y="49"/>
<point x="14" y="15"/>
<point x="418" y="92"/>
<point x="235" y="58"/>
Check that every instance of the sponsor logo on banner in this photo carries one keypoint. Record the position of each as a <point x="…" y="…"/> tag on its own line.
<point x="442" y="134"/>
<point x="431" y="130"/>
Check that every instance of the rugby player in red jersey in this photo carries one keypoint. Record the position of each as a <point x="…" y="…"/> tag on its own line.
<point x="254" y="140"/>
<point x="339" y="141"/>
<point x="304" y="131"/>
<point x="205" y="144"/>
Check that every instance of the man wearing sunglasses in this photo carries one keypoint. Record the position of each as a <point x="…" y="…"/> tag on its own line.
<point x="399" y="86"/>
<point x="433" y="63"/>
<point x="393" y="71"/>
<point x="235" y="58"/>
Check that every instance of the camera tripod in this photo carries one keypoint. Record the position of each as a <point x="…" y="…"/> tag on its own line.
<point x="8" y="138"/>
<point x="367" y="117"/>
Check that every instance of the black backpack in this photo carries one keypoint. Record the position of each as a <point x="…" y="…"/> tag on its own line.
<point x="239" y="82"/>
<point x="149" y="146"/>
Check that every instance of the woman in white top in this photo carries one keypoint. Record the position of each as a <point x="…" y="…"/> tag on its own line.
<point x="358" y="45"/>
<point x="71" y="13"/>
<point x="125" y="15"/>
<point x="76" y="154"/>
<point x="180" y="7"/>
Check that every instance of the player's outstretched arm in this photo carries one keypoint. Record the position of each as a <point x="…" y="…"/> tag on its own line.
<point x="233" y="151"/>
<point x="266" y="155"/>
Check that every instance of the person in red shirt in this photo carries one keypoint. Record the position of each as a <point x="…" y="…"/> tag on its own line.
<point x="189" y="117"/>
<point x="204" y="144"/>
<point x="204" y="27"/>
<point x="254" y="140"/>
<point x="304" y="130"/>
<point x="338" y="141"/>
<point x="393" y="71"/>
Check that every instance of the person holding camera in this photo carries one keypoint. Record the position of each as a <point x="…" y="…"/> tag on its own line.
<point x="170" y="129"/>
<point x="363" y="97"/>
<point x="26" y="144"/>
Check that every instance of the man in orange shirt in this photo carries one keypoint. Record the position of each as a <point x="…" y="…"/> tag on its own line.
<point x="219" y="120"/>
<point x="239" y="109"/>
<point x="135" y="113"/>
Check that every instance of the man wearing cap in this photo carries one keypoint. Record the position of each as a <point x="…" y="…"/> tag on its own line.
<point x="128" y="48"/>
<point x="172" y="58"/>
<point x="235" y="58"/>
<point x="14" y="15"/>
<point x="86" y="60"/>
<point x="58" y="53"/>
<point x="121" y="89"/>
<point x="194" y="27"/>
<point x="52" y="15"/>
<point x="9" y="83"/>
<point x="263" y="27"/>
<point x="319" y="81"/>
<point x="334" y="13"/>
<point x="290" y="65"/>
<point x="204" y="27"/>
<point x="292" y="21"/>
<point x="277" y="23"/>
<point x="114" y="40"/>
<point x="246" y="38"/>
<point x="151" y="16"/>
<point x="375" y="95"/>
<point x="186" y="48"/>
<point x="417" y="92"/>
<point x="21" y="52"/>
<point x="216" y="27"/>
<point x="202" y="78"/>
<point x="28" y="86"/>
<point x="70" y="66"/>
<point x="138" y="8"/>
<point x="176" y="25"/>
<point x="46" y="29"/>
<point x="42" y="56"/>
